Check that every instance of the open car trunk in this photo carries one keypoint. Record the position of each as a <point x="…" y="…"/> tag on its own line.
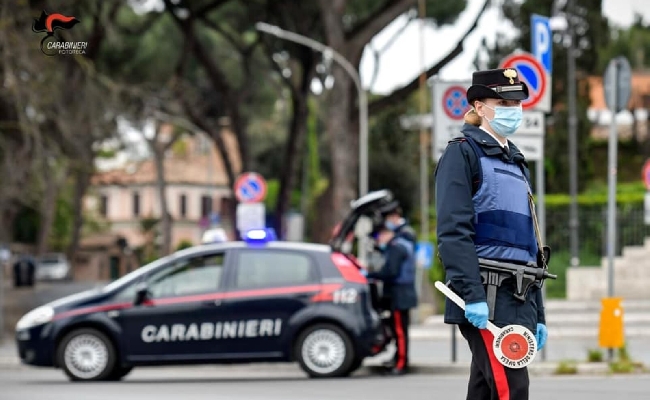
<point x="368" y="206"/>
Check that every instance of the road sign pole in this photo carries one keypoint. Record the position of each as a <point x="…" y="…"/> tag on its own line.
<point x="541" y="215"/>
<point x="574" y="222"/>
<point x="611" y="198"/>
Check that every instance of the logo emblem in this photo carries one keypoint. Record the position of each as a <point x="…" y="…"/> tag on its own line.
<point x="50" y="44"/>
<point x="511" y="74"/>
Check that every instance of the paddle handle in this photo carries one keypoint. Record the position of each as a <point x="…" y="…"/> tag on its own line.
<point x="456" y="299"/>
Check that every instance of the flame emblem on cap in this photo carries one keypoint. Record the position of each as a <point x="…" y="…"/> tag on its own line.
<point x="511" y="74"/>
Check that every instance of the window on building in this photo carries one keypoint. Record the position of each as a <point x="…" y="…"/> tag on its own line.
<point x="183" y="206"/>
<point x="272" y="269"/>
<point x="103" y="205"/>
<point x="206" y="205"/>
<point x="136" y="204"/>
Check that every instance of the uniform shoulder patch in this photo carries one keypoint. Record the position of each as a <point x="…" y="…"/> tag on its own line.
<point x="457" y="140"/>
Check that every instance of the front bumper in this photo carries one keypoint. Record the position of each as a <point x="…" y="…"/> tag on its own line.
<point x="35" y="346"/>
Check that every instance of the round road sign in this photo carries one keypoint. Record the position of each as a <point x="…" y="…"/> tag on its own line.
<point x="532" y="73"/>
<point x="454" y="102"/>
<point x="250" y="187"/>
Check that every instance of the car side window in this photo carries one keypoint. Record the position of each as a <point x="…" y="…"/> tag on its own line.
<point x="188" y="276"/>
<point x="266" y="268"/>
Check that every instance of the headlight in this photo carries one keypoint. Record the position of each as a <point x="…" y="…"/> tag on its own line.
<point x="38" y="316"/>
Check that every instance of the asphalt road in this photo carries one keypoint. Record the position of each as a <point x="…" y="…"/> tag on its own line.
<point x="288" y="383"/>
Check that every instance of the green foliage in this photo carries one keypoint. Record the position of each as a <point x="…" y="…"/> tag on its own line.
<point x="623" y="364"/>
<point x="26" y="226"/>
<point x="632" y="43"/>
<point x="566" y="367"/>
<point x="437" y="12"/>
<point x="595" y="355"/>
<point x="184" y="244"/>
<point x="394" y="157"/>
<point x="148" y="224"/>
<point x="63" y="220"/>
<point x="273" y="192"/>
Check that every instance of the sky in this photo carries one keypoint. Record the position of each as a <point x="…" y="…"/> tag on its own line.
<point x="401" y="62"/>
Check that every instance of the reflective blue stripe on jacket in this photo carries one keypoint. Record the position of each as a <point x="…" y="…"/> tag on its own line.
<point x="503" y="222"/>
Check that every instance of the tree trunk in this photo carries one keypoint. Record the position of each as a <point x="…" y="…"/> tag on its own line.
<point x="294" y="144"/>
<point x="7" y="216"/>
<point x="82" y="182"/>
<point x="343" y="146"/>
<point x="48" y="208"/>
<point x="161" y="183"/>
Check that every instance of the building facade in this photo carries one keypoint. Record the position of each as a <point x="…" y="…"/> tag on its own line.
<point x="197" y="192"/>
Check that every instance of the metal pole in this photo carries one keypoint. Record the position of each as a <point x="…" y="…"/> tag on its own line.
<point x="424" y="178"/>
<point x="424" y="171"/>
<point x="611" y="181"/>
<point x="2" y="304"/>
<point x="573" y="143"/>
<point x="541" y="214"/>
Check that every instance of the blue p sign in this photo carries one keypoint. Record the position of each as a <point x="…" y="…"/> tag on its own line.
<point x="542" y="41"/>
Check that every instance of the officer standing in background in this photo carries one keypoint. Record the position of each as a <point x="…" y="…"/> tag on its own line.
<point x="394" y="220"/>
<point x="484" y="210"/>
<point x="399" y="295"/>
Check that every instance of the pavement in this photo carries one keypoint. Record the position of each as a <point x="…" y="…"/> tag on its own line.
<point x="263" y="383"/>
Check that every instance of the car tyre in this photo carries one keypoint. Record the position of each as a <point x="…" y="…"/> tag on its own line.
<point x="325" y="351"/>
<point x="119" y="373"/>
<point x="87" y="355"/>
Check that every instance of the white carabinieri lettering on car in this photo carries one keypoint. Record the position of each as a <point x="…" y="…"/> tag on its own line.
<point x="252" y="328"/>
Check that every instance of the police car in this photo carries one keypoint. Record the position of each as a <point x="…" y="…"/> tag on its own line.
<point x="257" y="300"/>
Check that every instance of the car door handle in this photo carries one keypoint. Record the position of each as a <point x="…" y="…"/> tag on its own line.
<point x="215" y="303"/>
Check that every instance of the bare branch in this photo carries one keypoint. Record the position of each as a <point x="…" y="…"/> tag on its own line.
<point x="403" y="92"/>
<point x="363" y="33"/>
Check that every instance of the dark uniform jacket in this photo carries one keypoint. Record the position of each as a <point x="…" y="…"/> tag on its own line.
<point x="457" y="177"/>
<point x="397" y="296"/>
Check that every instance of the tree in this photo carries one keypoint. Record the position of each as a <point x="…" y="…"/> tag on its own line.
<point x="349" y="27"/>
<point x="591" y="30"/>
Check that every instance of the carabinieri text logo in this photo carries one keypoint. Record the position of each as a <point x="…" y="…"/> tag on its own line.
<point x="51" y="45"/>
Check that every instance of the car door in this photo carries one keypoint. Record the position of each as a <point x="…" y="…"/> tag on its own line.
<point x="179" y="318"/>
<point x="266" y="287"/>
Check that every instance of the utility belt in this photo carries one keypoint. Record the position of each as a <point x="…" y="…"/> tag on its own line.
<point x="495" y="273"/>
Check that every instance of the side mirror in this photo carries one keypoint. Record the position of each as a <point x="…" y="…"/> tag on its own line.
<point x="141" y="294"/>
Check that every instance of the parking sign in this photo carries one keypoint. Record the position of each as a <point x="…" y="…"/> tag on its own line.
<point x="542" y="48"/>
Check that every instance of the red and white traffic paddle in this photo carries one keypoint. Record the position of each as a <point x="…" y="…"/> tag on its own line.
<point x="514" y="346"/>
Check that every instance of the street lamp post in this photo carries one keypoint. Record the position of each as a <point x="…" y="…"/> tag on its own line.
<point x="328" y="52"/>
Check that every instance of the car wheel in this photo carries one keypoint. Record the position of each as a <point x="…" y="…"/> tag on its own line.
<point x="86" y="355"/>
<point x="325" y="350"/>
<point x="119" y="373"/>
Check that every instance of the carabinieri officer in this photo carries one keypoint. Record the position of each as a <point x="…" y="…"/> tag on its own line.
<point x="483" y="209"/>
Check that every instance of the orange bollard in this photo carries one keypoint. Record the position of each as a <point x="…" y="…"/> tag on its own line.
<point x="610" y="333"/>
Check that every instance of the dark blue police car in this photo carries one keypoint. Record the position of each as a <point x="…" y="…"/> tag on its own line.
<point x="257" y="300"/>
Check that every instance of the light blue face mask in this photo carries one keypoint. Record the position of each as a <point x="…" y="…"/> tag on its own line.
<point x="506" y="120"/>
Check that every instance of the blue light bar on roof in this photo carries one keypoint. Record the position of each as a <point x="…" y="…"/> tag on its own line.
<point x="260" y="236"/>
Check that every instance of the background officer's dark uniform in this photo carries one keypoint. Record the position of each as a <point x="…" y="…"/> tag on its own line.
<point x="457" y="178"/>
<point x="398" y="277"/>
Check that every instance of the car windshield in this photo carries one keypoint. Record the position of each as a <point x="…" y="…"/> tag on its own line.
<point x="130" y="277"/>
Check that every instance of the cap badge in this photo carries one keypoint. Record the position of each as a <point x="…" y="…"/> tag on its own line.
<point x="511" y="74"/>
